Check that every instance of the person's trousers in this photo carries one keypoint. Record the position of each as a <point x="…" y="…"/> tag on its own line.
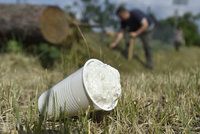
<point x="145" y="39"/>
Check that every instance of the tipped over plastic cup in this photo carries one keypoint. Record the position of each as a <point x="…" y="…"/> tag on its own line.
<point x="95" y="85"/>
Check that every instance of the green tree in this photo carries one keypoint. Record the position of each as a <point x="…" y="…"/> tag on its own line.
<point x="189" y="27"/>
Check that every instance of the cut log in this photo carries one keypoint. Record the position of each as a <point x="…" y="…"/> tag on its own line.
<point x="33" y="23"/>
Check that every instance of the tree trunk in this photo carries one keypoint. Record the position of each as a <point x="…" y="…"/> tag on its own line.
<point x="33" y="23"/>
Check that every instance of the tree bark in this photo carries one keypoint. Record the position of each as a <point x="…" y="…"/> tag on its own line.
<point x="20" y="22"/>
<point x="33" y="23"/>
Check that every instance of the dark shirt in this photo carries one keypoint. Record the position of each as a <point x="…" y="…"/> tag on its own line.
<point x="135" y="21"/>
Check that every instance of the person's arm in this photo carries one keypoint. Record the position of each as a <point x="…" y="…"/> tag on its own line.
<point x="117" y="40"/>
<point x="143" y="28"/>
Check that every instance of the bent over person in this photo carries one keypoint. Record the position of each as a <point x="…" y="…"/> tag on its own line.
<point x="135" y="23"/>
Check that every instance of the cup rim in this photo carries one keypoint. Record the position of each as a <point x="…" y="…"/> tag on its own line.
<point x="89" y="94"/>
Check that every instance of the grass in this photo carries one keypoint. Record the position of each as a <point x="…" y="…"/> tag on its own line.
<point x="165" y="100"/>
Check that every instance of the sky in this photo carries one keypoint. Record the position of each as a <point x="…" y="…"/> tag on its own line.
<point x="162" y="8"/>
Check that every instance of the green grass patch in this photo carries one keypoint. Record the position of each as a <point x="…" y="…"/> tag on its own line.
<point x="165" y="100"/>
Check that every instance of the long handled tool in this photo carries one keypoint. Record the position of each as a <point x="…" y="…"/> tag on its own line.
<point x="130" y="48"/>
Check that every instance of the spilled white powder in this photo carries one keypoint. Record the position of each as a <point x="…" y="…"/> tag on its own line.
<point x="102" y="83"/>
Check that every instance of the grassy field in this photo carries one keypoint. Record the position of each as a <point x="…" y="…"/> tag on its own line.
<point x="165" y="100"/>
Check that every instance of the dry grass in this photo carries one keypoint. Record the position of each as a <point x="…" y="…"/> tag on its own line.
<point x="162" y="101"/>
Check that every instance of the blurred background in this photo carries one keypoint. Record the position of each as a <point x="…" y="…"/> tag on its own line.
<point x="28" y="26"/>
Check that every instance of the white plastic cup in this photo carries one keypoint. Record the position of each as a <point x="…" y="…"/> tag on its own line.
<point x="69" y="96"/>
